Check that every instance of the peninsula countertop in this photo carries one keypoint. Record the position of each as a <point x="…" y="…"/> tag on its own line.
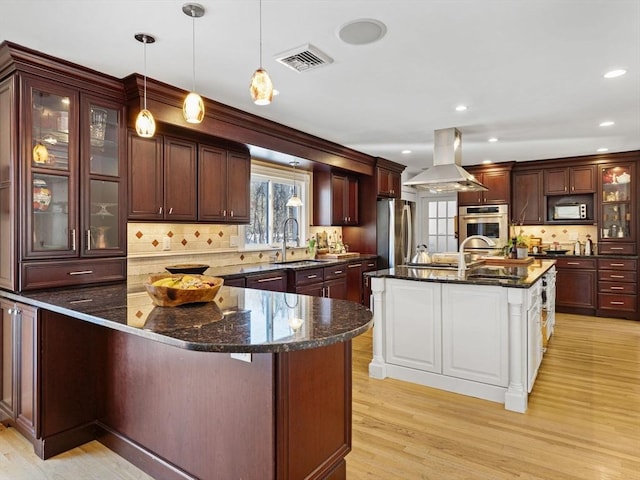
<point x="239" y="320"/>
<point x="521" y="276"/>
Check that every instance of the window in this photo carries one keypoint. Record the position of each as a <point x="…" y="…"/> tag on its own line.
<point x="270" y="190"/>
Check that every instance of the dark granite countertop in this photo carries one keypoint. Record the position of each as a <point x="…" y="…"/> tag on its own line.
<point x="238" y="320"/>
<point x="506" y="276"/>
<point x="232" y="271"/>
<point x="546" y="255"/>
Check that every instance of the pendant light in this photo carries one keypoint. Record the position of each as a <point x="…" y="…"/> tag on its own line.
<point x="261" y="86"/>
<point x="294" y="201"/>
<point x="145" y="124"/>
<point x="193" y="106"/>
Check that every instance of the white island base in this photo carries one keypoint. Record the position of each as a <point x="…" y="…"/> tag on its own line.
<point x="483" y="341"/>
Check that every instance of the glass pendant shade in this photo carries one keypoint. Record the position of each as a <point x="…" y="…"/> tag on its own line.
<point x="193" y="108"/>
<point x="294" y="201"/>
<point x="261" y="87"/>
<point x="145" y="124"/>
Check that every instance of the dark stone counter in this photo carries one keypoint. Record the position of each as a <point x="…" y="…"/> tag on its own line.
<point x="239" y="320"/>
<point x="506" y="276"/>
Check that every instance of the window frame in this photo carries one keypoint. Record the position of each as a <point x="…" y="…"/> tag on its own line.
<point x="284" y="175"/>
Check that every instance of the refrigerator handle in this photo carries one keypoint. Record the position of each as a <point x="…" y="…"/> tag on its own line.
<point x="406" y="233"/>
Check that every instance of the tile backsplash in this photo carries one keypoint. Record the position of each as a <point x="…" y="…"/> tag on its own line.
<point x="152" y="246"/>
<point x="565" y="235"/>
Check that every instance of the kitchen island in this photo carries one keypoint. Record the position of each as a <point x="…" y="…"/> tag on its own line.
<point x="479" y="334"/>
<point x="255" y="385"/>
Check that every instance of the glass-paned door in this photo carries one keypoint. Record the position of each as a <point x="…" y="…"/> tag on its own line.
<point x="51" y="168"/>
<point x="616" y="198"/>
<point x="437" y="223"/>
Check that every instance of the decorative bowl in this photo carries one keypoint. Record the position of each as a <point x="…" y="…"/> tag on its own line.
<point x="198" y="268"/>
<point x="204" y="289"/>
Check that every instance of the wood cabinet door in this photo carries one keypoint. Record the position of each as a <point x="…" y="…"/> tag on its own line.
<point x="212" y="183"/>
<point x="556" y="181"/>
<point x="238" y="181"/>
<point x="145" y="178"/>
<point x="351" y="207"/>
<point x="179" y="179"/>
<point x="339" y="192"/>
<point x="576" y="288"/>
<point x="336" y="288"/>
<point x="582" y="179"/>
<point x="499" y="186"/>
<point x="7" y="360"/>
<point x="315" y="290"/>
<point x="354" y="282"/>
<point x="471" y="198"/>
<point x="527" y="206"/>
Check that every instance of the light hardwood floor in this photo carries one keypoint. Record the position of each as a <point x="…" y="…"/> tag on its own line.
<point x="583" y="422"/>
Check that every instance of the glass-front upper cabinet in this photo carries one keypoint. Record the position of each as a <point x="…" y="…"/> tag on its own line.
<point x="74" y="170"/>
<point x="616" y="207"/>
<point x="101" y="166"/>
<point x="52" y="170"/>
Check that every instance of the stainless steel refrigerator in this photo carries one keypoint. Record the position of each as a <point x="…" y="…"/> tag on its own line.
<point x="395" y="232"/>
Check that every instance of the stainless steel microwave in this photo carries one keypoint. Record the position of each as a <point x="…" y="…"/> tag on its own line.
<point x="570" y="211"/>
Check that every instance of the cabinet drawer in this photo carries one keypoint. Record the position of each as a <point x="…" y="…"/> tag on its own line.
<point x="312" y="275"/>
<point x="273" y="281"/>
<point x="617" y="276"/>
<point x="61" y="273"/>
<point x="616" y="288"/>
<point x="605" y="248"/>
<point x="235" y="282"/>
<point x="336" y="271"/>
<point x="617" y="264"/>
<point x="582" y="263"/>
<point x="626" y="303"/>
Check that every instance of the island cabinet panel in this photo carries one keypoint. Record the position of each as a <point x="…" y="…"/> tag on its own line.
<point x="475" y="343"/>
<point x="208" y="414"/>
<point x="413" y="331"/>
<point x="527" y="207"/>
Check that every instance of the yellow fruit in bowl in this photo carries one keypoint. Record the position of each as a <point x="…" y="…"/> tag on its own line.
<point x="171" y="290"/>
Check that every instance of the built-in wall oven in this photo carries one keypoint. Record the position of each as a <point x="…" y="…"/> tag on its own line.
<point x="489" y="220"/>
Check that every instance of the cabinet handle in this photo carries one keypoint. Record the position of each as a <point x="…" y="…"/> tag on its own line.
<point x="312" y="276"/>
<point x="14" y="311"/>
<point x="231" y="213"/>
<point x="224" y="213"/>
<point x="73" y="239"/>
<point x="270" y="279"/>
<point x="328" y="292"/>
<point x="170" y="210"/>
<point x="160" y="211"/>
<point x="616" y="303"/>
<point x="616" y="264"/>
<point x="616" y="276"/>
<point x="81" y="272"/>
<point x="88" y="240"/>
<point x="573" y="263"/>
<point x="338" y="272"/>
<point x="616" y="248"/>
<point x="616" y="288"/>
<point x="371" y="265"/>
<point x="354" y="265"/>
<point x="83" y="300"/>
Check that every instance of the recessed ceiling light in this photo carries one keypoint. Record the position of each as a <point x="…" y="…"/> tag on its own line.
<point x="493" y="140"/>
<point x="608" y="123"/>
<point x="602" y="150"/>
<point x="615" y="73"/>
<point x="362" y="31"/>
<point x="487" y="161"/>
<point x="461" y="108"/>
<point x="406" y="152"/>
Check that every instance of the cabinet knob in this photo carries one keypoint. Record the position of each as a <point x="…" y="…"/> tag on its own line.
<point x="88" y="239"/>
<point x="160" y="211"/>
<point x="73" y="239"/>
<point x="224" y="213"/>
<point x="170" y="210"/>
<point x="231" y="213"/>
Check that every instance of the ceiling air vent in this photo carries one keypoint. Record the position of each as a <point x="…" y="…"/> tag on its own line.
<point x="304" y="58"/>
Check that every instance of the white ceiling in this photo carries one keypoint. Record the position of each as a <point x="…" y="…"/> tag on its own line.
<point x="530" y="71"/>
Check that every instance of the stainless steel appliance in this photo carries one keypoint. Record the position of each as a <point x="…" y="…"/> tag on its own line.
<point x="489" y="220"/>
<point x="570" y="211"/>
<point x="395" y="232"/>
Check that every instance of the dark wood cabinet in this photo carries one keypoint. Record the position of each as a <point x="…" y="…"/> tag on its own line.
<point x="618" y="206"/>
<point x="358" y="289"/>
<point x="576" y="285"/>
<point x="618" y="287"/>
<point x="335" y="198"/>
<point x="369" y="266"/>
<point x="19" y="356"/>
<point x="63" y="171"/>
<point x="389" y="183"/>
<point x="275" y="281"/>
<point x="335" y="281"/>
<point x="570" y="180"/>
<point x="223" y="185"/>
<point x="162" y="178"/>
<point x="330" y="282"/>
<point x="498" y="182"/>
<point x="235" y="282"/>
<point x="527" y="206"/>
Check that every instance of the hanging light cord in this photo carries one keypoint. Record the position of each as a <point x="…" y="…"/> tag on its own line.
<point x="193" y="49"/>
<point x="260" y="30"/>
<point x="144" y="41"/>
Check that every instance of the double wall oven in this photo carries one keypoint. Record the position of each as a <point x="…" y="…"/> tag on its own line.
<point x="489" y="220"/>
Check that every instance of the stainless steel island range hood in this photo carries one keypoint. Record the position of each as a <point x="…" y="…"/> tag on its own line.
<point x="446" y="175"/>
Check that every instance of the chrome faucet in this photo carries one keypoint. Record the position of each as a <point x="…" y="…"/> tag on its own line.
<point x="462" y="264"/>
<point x="284" y="237"/>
